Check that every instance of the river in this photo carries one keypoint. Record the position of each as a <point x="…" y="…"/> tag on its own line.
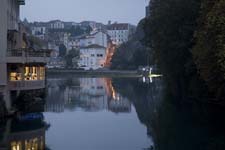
<point x="112" y="114"/>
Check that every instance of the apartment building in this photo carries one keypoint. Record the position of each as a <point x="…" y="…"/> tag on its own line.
<point x="120" y="32"/>
<point x="92" y="57"/>
<point x="21" y="67"/>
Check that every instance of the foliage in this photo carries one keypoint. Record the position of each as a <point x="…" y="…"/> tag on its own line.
<point x="36" y="43"/>
<point x="72" y="54"/>
<point x="209" y="51"/>
<point x="62" y="50"/>
<point x="169" y="33"/>
<point x="131" y="54"/>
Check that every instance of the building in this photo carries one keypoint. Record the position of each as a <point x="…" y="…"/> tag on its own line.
<point x="56" y="24"/>
<point x="120" y="32"/>
<point x="39" y="30"/>
<point x="147" y="11"/>
<point x="92" y="57"/>
<point x="95" y="37"/>
<point x="21" y="67"/>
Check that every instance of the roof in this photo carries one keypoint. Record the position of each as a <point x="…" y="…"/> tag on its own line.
<point x="118" y="26"/>
<point x="93" y="46"/>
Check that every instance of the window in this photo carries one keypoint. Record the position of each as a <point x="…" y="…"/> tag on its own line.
<point x="15" y="76"/>
<point x="92" y="55"/>
<point x="42" y="73"/>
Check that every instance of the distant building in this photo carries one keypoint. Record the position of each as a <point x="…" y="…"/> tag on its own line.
<point x="69" y="25"/>
<point x="92" y="57"/>
<point x="120" y="32"/>
<point x="56" y="24"/>
<point x="38" y="28"/>
<point x="147" y="10"/>
<point x="95" y="37"/>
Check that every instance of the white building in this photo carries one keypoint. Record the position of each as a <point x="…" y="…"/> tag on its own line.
<point x="92" y="57"/>
<point x="39" y="32"/>
<point x="119" y="32"/>
<point x="56" y="24"/>
<point x="95" y="37"/>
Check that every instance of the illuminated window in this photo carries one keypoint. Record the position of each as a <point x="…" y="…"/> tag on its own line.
<point x="15" y="76"/>
<point x="42" y="73"/>
<point x="31" y="73"/>
<point x="31" y="144"/>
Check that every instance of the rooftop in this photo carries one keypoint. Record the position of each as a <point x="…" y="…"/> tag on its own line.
<point x="93" y="46"/>
<point x="118" y="26"/>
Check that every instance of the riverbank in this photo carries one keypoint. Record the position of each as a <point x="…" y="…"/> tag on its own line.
<point x="111" y="73"/>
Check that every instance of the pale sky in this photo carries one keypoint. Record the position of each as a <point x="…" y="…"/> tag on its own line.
<point x="130" y="11"/>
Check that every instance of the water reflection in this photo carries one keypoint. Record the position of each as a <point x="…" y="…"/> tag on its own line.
<point x="174" y="124"/>
<point x="23" y="133"/>
<point x="89" y="94"/>
<point x="115" y="114"/>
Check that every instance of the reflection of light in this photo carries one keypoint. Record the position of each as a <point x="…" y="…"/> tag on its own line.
<point x="143" y="79"/>
<point x="30" y="144"/>
<point x="16" y="145"/>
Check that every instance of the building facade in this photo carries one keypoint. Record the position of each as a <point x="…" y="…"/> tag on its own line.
<point x="119" y="32"/>
<point x="92" y="57"/>
<point x="57" y="24"/>
<point x="95" y="37"/>
<point x="21" y="67"/>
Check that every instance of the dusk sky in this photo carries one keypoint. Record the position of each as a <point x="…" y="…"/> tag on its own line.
<point x="130" y="11"/>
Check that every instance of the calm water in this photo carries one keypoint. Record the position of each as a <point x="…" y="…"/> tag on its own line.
<point x="113" y="114"/>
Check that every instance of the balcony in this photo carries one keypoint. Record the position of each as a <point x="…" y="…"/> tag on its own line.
<point x="26" y="85"/>
<point x="27" y="56"/>
<point x="21" y="2"/>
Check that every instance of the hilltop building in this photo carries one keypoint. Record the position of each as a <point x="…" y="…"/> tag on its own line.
<point x="120" y="32"/>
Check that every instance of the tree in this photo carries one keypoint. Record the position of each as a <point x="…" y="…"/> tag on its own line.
<point x="209" y="51"/>
<point x="132" y="54"/>
<point x="72" y="55"/>
<point x="169" y="33"/>
<point x="62" y="50"/>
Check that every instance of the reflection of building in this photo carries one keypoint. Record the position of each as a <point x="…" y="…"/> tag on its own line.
<point x="90" y="94"/>
<point x="21" y="67"/>
<point x="23" y="135"/>
<point x="120" y="104"/>
<point x="55" y="97"/>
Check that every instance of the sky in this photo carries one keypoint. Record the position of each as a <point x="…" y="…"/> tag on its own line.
<point x="123" y="11"/>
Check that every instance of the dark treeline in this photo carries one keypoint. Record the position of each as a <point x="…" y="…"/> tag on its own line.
<point x="132" y="54"/>
<point x="187" y="40"/>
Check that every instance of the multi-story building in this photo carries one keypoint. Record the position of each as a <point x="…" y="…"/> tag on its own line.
<point x="95" y="37"/>
<point x="120" y="32"/>
<point x="21" y="67"/>
<point x="56" y="24"/>
<point x="39" y="29"/>
<point x="92" y="57"/>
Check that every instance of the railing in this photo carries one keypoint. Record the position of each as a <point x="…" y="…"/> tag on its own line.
<point x="28" y="55"/>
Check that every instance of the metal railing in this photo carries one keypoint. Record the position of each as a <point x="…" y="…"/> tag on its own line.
<point x="27" y="53"/>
